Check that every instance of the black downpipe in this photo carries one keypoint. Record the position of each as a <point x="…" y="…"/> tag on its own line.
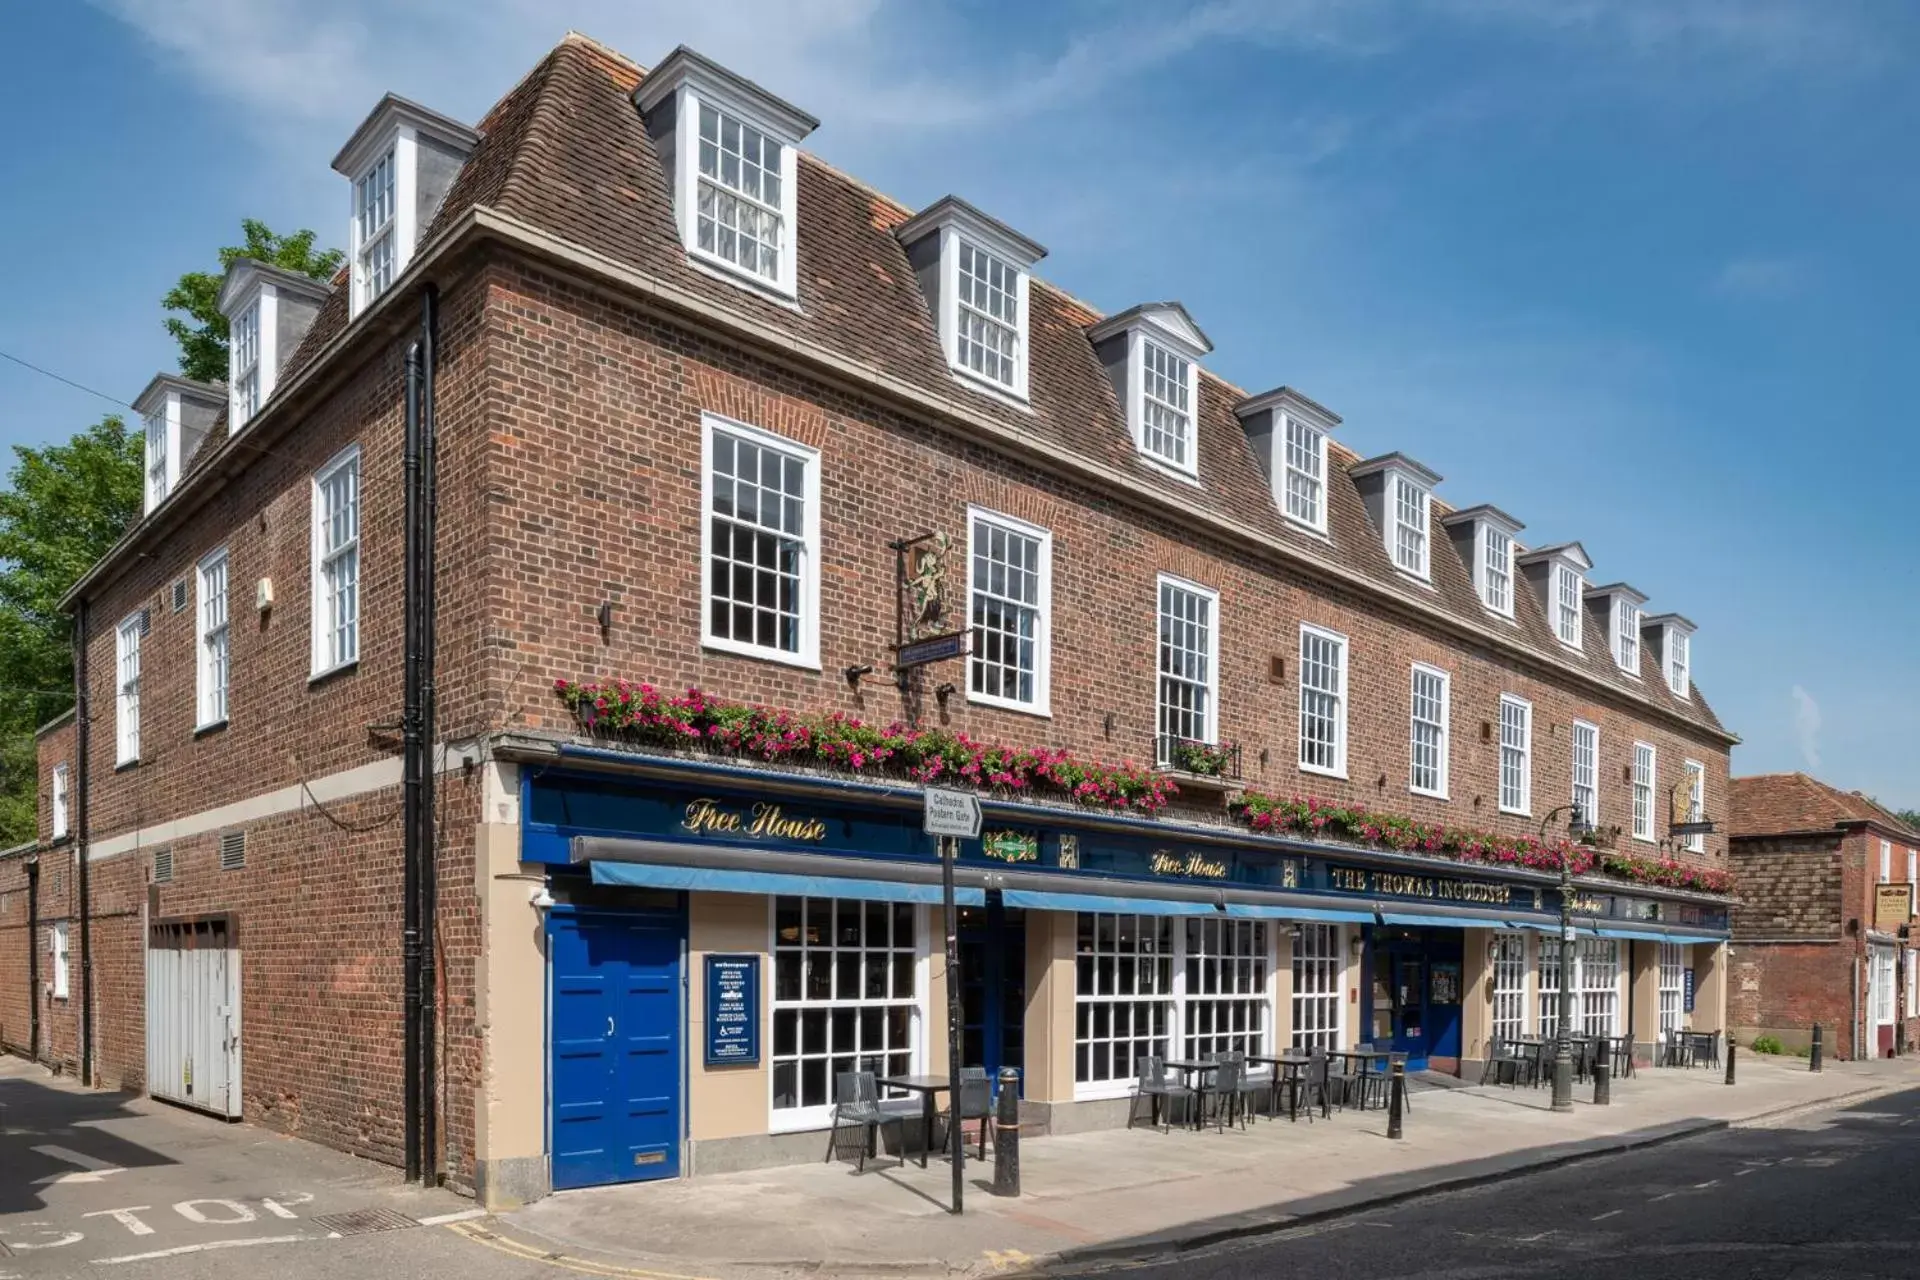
<point x="410" y="766"/>
<point x="82" y="726"/>
<point x="33" y="957"/>
<point x="429" y="734"/>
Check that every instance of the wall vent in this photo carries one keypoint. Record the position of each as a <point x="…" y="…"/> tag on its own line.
<point x="146" y="622"/>
<point x="180" y="596"/>
<point x="233" y="850"/>
<point x="163" y="866"/>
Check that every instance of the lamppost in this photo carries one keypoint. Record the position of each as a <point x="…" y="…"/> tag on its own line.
<point x="1563" y="1042"/>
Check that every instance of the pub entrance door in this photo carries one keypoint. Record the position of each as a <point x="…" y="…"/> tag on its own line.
<point x="993" y="986"/>
<point x="1414" y="995"/>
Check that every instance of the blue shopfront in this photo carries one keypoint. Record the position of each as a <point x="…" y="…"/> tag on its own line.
<point x="657" y="864"/>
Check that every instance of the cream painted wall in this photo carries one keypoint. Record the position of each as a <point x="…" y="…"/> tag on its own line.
<point x="1476" y="995"/>
<point x="726" y="1102"/>
<point x="1643" y="994"/>
<point x="1049" y="1029"/>
<point x="510" y="996"/>
<point x="1709" y="986"/>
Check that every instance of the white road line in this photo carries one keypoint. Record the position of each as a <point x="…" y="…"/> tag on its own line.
<point x="1741" y="1173"/>
<point x="1654" y="1199"/>
<point x="91" y="1170"/>
<point x="199" y="1248"/>
<point x="1710" y="1182"/>
<point x="1602" y="1217"/>
<point x="462" y="1215"/>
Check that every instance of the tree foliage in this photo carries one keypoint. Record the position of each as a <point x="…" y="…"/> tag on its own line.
<point x="64" y="506"/>
<point x="202" y="335"/>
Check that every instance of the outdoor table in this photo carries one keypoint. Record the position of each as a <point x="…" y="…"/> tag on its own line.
<point x="926" y="1087"/>
<point x="1365" y="1058"/>
<point x="1188" y="1067"/>
<point x="1701" y="1047"/>
<point x="1286" y="1067"/>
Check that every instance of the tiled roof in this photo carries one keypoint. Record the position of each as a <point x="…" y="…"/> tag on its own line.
<point x="1771" y="803"/>
<point x="566" y="152"/>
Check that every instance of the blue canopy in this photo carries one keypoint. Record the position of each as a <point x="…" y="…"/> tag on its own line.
<point x="1035" y="900"/>
<point x="653" y="875"/>
<point x="1262" y="911"/>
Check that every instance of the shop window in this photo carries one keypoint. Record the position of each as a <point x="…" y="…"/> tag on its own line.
<point x="1598" y="982"/>
<point x="1672" y="988"/>
<point x="1509" y="987"/>
<point x="845" y="998"/>
<point x="1223" y="1003"/>
<point x="1123" y="996"/>
<point x="1882" y="985"/>
<point x="1547" y="985"/>
<point x="1316" y="987"/>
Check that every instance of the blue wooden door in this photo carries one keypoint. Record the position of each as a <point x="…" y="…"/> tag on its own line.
<point x="615" y="1033"/>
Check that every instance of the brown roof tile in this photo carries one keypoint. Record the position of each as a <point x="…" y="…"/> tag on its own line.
<point x="1771" y="803"/>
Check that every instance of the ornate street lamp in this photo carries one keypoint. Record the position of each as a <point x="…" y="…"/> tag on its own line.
<point x="1577" y="826"/>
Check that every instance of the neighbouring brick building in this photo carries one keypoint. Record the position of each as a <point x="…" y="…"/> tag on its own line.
<point x="710" y="414"/>
<point x="1821" y="930"/>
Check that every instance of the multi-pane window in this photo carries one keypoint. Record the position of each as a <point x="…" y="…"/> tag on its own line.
<point x="1886" y="862"/>
<point x="1306" y="466"/>
<point x="156" y="423"/>
<point x="1496" y="571"/>
<point x="1222" y="999"/>
<point x="1516" y="754"/>
<point x="336" y="570"/>
<point x="213" y="664"/>
<point x="59" y="804"/>
<point x="1187" y="666"/>
<point x="1428" y="774"/>
<point x="1166" y="407"/>
<point x="374" y="210"/>
<point x="1598" y="983"/>
<point x="1317" y="987"/>
<point x="1409" y="526"/>
<point x="1010" y="589"/>
<point x="1547" y="984"/>
<point x="126" y="647"/>
<point x="1643" y="762"/>
<point x="987" y="328"/>
<point x="1882" y="984"/>
<point x="1568" y="588"/>
<point x="1678" y="645"/>
<point x="1123" y="1001"/>
<point x="737" y="215"/>
<point x="62" y="979"/>
<point x="1323" y="701"/>
<point x="845" y="997"/>
<point x="1626" y="635"/>
<point x="1586" y="770"/>
<point x="1913" y="983"/>
<point x="762" y="543"/>
<point x="243" y="341"/>
<point x="1672" y="989"/>
<point x="1509" y="987"/>
<point x="1696" y="802"/>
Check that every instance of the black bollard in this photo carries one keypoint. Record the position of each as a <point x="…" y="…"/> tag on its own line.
<point x="1397" y="1100"/>
<point x="1813" y="1057"/>
<point x="1602" y="1083"/>
<point x="1729" y="1059"/>
<point x="1006" y="1135"/>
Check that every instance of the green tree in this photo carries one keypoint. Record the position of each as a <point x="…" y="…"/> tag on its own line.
<point x="203" y="334"/>
<point x="64" y="506"/>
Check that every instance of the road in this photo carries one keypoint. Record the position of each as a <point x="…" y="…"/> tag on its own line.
<point x="1823" y="1194"/>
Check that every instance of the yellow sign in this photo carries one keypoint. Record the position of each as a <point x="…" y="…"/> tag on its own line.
<point x="1399" y="884"/>
<point x="1192" y="864"/>
<point x="764" y="821"/>
<point x="1892" y="904"/>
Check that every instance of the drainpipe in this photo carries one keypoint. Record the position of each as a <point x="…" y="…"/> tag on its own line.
<point x="429" y="642"/>
<point x="82" y="724"/>
<point x="33" y="957"/>
<point x="410" y="770"/>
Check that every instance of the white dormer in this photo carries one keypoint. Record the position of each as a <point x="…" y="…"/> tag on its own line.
<point x="974" y="270"/>
<point x="268" y="311"/>
<point x="1484" y="537"/>
<point x="401" y="162"/>
<point x="728" y="148"/>
<point x="1152" y="355"/>
<point x="1558" y="576"/>
<point x="176" y="413"/>
<point x="1619" y="607"/>
<point x="1398" y="493"/>
<point x="1672" y="639"/>
<point x="1288" y="435"/>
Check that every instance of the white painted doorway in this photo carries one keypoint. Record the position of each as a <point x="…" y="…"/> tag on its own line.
<point x="193" y="1015"/>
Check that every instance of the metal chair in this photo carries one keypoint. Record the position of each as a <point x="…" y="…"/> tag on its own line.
<point x="1222" y="1084"/>
<point x="1254" y="1083"/>
<point x="1317" y="1083"/>
<point x="975" y="1101"/>
<point x="1150" y="1082"/>
<point x="856" y="1102"/>
<point x="1622" y="1057"/>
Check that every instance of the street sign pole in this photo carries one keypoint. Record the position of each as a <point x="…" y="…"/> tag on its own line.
<point x="949" y="854"/>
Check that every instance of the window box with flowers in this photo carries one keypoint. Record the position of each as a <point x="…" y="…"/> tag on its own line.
<point x="1199" y="766"/>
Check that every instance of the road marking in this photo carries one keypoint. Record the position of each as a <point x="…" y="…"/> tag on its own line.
<point x="1741" y="1173"/>
<point x="241" y="1214"/>
<point x="1710" y="1182"/>
<point x="1602" y="1217"/>
<point x="1533" y="1239"/>
<point x="179" y="1250"/>
<point x="92" y="1170"/>
<point x="442" y="1219"/>
<point x="514" y="1249"/>
<point x="1668" y="1196"/>
<point x="125" y="1218"/>
<point x="60" y="1242"/>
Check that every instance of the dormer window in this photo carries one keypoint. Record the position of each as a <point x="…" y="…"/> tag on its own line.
<point x="1398" y="493"/>
<point x="1677" y="645"/>
<point x="974" y="270"/>
<point x="243" y="349"/>
<point x="175" y="415"/>
<point x="730" y="152"/>
<point x="1619" y="605"/>
<point x="1484" y="536"/>
<point x="1152" y="356"/>
<point x="1673" y="638"/>
<point x="1557" y="575"/>
<point x="1288" y="435"/>
<point x="268" y="311"/>
<point x="158" y="477"/>
<point x="1568" y="589"/>
<point x="400" y="163"/>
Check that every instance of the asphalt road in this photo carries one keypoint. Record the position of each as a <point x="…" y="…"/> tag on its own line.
<point x="1824" y="1194"/>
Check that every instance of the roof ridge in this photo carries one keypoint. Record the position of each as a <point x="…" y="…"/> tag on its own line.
<point x="576" y="36"/>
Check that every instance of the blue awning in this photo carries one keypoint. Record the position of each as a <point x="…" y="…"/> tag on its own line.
<point x="1261" y="911"/>
<point x="1455" y="922"/>
<point x="653" y="875"/>
<point x="1647" y="935"/>
<point x="1036" y="901"/>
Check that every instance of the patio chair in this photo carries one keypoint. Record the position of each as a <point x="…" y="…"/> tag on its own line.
<point x="1349" y="1086"/>
<point x="1622" y="1057"/>
<point x="1317" y="1084"/>
<point x="1222" y="1086"/>
<point x="1150" y="1082"/>
<point x="856" y="1102"/>
<point x="1254" y="1084"/>
<point x="976" y="1102"/>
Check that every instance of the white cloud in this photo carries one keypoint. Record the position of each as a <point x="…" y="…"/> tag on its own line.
<point x="1806" y="727"/>
<point x="1760" y="277"/>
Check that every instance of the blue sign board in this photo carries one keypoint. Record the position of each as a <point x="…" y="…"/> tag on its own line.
<point x="1686" y="985"/>
<point x="733" y="1011"/>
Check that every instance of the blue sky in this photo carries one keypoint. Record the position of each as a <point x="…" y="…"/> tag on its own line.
<point x="1642" y="273"/>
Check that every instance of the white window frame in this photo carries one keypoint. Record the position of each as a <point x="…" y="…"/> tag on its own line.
<point x="1319" y="987"/>
<point x="1444" y="726"/>
<point x="126" y="702"/>
<point x="1586" y="790"/>
<point x="323" y="590"/>
<point x="215" y="655"/>
<point x="1041" y="704"/>
<point x="1511" y="972"/>
<point x="246" y="378"/>
<point x="1598" y="972"/>
<point x="1569" y="590"/>
<point x="59" y="945"/>
<point x="1312" y="483"/>
<point x="396" y="232"/>
<point x="1208" y="687"/>
<point x="1494" y="554"/>
<point x="1409" y="532"/>
<point x="953" y="243"/>
<point x="799" y="1119"/>
<point x="1881" y="987"/>
<point x="1886" y="862"/>
<point x="1142" y="347"/>
<point x="1696" y="802"/>
<point x="1151" y="997"/>
<point x="1626" y="635"/>
<point x="1338" y="720"/>
<point x="1913" y="983"/>
<point x="57" y="788"/>
<point x="1672" y="964"/>
<point x="1520" y="753"/>
<point x="1680" y="663"/>
<point x="780" y="210"/>
<point x="1913" y="882"/>
<point x="158" y="426"/>
<point x="808" y="653"/>
<point x="1550" y="961"/>
<point x="1643" y="816"/>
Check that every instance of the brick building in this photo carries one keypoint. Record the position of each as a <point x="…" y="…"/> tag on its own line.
<point x="710" y="414"/>
<point x="1820" y="933"/>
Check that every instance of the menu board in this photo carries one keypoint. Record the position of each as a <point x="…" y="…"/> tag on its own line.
<point x="733" y="1011"/>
